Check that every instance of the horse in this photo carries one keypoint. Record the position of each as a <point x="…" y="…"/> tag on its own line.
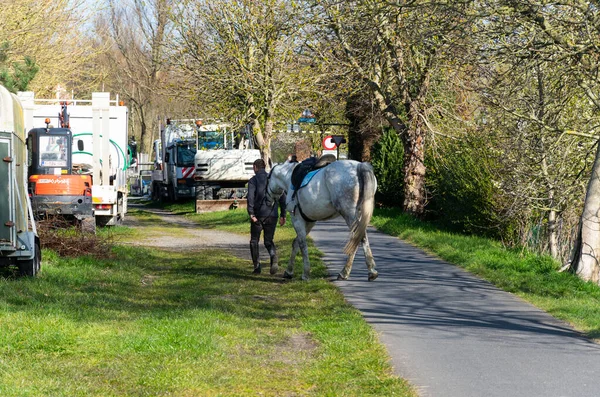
<point x="343" y="188"/>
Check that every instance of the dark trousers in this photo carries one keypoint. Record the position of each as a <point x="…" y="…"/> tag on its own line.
<point x="267" y="225"/>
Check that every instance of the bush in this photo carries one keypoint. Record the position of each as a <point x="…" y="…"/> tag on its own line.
<point x="462" y="189"/>
<point x="387" y="158"/>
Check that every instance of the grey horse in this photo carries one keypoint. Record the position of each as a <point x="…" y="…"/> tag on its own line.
<point x="343" y="188"/>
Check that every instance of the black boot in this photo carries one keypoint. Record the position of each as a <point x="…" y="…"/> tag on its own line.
<point x="274" y="261"/>
<point x="255" y="259"/>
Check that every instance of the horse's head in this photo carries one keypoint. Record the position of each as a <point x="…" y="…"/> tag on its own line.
<point x="278" y="182"/>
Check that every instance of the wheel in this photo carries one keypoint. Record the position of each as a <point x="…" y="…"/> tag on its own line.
<point x="208" y="193"/>
<point x="32" y="267"/>
<point x="200" y="192"/>
<point x="171" y="193"/>
<point x="155" y="191"/>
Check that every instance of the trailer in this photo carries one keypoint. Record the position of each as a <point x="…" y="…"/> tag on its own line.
<point x="97" y="140"/>
<point x="19" y="242"/>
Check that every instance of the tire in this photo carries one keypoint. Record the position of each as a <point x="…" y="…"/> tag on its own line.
<point x="208" y="193"/>
<point x="31" y="268"/>
<point x="200" y="192"/>
<point x="171" y="193"/>
<point x="155" y="191"/>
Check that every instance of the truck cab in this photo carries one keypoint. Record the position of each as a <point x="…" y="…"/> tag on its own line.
<point x="174" y="153"/>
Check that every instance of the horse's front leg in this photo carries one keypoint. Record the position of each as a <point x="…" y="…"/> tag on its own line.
<point x="289" y="272"/>
<point x="304" y="249"/>
<point x="369" y="258"/>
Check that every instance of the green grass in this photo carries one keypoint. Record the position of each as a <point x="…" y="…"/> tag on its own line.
<point x="533" y="277"/>
<point x="156" y="323"/>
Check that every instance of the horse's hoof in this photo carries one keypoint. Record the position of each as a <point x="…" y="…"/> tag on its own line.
<point x="340" y="277"/>
<point x="287" y="275"/>
<point x="305" y="278"/>
<point x="373" y="276"/>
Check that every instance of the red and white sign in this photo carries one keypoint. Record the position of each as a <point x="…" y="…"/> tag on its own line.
<point x="328" y="143"/>
<point x="187" y="172"/>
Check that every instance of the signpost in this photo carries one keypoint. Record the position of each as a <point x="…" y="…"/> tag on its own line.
<point x="333" y="142"/>
<point x="328" y="143"/>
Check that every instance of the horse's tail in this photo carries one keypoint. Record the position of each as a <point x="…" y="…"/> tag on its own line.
<point x="367" y="185"/>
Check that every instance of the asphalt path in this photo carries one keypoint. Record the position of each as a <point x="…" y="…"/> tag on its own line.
<point x="452" y="334"/>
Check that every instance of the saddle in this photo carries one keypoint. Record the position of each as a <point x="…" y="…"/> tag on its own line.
<point x="307" y="166"/>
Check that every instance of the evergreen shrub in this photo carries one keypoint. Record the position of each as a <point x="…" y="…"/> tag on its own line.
<point x="387" y="159"/>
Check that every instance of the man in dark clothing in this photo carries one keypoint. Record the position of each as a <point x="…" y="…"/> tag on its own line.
<point x="262" y="216"/>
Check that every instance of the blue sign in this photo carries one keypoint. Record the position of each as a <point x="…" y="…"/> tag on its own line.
<point x="307" y="117"/>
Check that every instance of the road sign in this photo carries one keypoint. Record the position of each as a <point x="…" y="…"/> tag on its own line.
<point x="328" y="143"/>
<point x="307" y="117"/>
<point x="338" y="140"/>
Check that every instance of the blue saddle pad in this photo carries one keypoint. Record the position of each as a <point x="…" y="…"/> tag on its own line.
<point x="308" y="178"/>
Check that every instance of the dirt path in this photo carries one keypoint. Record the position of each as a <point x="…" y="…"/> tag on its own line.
<point x="189" y="236"/>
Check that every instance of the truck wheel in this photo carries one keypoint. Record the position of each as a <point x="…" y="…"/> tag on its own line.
<point x="32" y="267"/>
<point x="208" y="193"/>
<point x="171" y="193"/>
<point x="200" y="192"/>
<point x="155" y="191"/>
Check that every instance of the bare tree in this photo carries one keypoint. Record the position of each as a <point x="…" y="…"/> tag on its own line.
<point x="566" y="37"/>
<point x="136" y="66"/>
<point x="242" y="58"/>
<point x="398" y="49"/>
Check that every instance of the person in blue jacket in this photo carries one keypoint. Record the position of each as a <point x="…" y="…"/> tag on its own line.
<point x="263" y="217"/>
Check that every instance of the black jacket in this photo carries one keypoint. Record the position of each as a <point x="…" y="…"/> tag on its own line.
<point x="257" y="206"/>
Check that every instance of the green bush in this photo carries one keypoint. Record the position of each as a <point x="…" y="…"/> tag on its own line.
<point x="462" y="189"/>
<point x="387" y="159"/>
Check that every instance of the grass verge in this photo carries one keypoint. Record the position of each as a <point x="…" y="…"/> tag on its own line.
<point x="148" y="322"/>
<point x="533" y="277"/>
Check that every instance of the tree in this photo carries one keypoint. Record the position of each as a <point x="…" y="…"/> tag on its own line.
<point x="16" y="77"/>
<point x="397" y="49"/>
<point x="136" y="66"/>
<point x="51" y="34"/>
<point x="241" y="56"/>
<point x="565" y="37"/>
<point x="530" y="103"/>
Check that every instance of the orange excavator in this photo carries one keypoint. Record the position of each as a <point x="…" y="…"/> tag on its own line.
<point x="54" y="187"/>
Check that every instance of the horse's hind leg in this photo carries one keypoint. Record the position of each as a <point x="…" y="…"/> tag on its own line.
<point x="369" y="258"/>
<point x="345" y="273"/>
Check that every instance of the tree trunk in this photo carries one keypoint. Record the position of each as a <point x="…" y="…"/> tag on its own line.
<point x="266" y="149"/>
<point x="414" y="164"/>
<point x="585" y="261"/>
<point x="365" y="126"/>
<point x="552" y="234"/>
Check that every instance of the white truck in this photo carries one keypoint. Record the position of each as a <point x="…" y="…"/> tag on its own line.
<point x="223" y="166"/>
<point x="99" y="128"/>
<point x="19" y="243"/>
<point x="173" y="175"/>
